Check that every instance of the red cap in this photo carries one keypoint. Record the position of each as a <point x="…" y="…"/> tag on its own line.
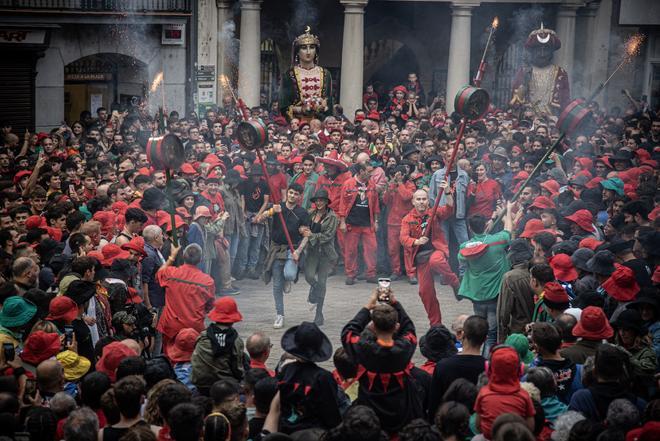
<point x="520" y="176"/>
<point x="136" y="244"/>
<point x="555" y="293"/>
<point x="187" y="169"/>
<point x="532" y="227"/>
<point x="593" y="324"/>
<point x="225" y="310"/>
<point x="180" y="223"/>
<point x="241" y="171"/>
<point x="18" y="176"/>
<point x="542" y="202"/>
<point x="184" y="345"/>
<point x="40" y="346"/>
<point x="583" y="218"/>
<point x="133" y="296"/>
<point x="34" y="221"/>
<point x="111" y="252"/>
<point x="62" y="308"/>
<point x="594" y="182"/>
<point x="562" y="267"/>
<point x="590" y="242"/>
<point x="551" y="185"/>
<point x="202" y="211"/>
<point x="622" y="284"/>
<point x="113" y="354"/>
<point x="144" y="171"/>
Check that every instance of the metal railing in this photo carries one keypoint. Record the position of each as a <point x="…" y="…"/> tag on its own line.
<point x="100" y="5"/>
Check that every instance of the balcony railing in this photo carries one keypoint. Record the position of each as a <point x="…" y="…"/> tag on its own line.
<point x="118" y="6"/>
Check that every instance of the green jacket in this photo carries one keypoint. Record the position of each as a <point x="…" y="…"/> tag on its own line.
<point x="323" y="242"/>
<point x="483" y="277"/>
<point x="207" y="368"/>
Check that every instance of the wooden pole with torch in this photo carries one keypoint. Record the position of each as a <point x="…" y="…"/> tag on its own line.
<point x="155" y="84"/>
<point x="482" y="65"/>
<point x="632" y="46"/>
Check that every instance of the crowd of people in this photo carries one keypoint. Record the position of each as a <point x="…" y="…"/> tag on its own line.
<point x="118" y="283"/>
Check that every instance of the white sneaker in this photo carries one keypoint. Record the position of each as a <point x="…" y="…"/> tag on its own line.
<point x="279" y="322"/>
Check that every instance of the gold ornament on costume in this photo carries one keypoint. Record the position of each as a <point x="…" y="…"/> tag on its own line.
<point x="306" y="38"/>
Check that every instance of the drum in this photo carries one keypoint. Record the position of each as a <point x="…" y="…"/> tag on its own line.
<point x="252" y="134"/>
<point x="165" y="152"/>
<point x="576" y="118"/>
<point x="471" y="102"/>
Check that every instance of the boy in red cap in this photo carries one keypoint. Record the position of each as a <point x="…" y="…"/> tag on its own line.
<point x="551" y="297"/>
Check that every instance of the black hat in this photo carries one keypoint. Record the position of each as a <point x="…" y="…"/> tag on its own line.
<point x="427" y="161"/>
<point x="152" y="199"/>
<point x="307" y="342"/>
<point x="519" y="251"/>
<point x="601" y="263"/>
<point x="81" y="291"/>
<point x="580" y="257"/>
<point x="232" y="177"/>
<point x="184" y="194"/>
<point x="647" y="296"/>
<point x="622" y="155"/>
<point x="271" y="159"/>
<point x="249" y="156"/>
<point x="619" y="246"/>
<point x="409" y="149"/>
<point x="321" y="193"/>
<point x="630" y="319"/>
<point x="650" y="242"/>
<point x="437" y="343"/>
<point x="565" y="247"/>
<point x="255" y="170"/>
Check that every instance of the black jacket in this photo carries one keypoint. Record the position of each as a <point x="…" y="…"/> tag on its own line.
<point x="386" y="382"/>
<point x="308" y="397"/>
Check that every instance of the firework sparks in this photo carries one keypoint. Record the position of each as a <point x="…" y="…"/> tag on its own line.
<point x="224" y="81"/>
<point x="158" y="80"/>
<point x="633" y="45"/>
<point x="495" y="23"/>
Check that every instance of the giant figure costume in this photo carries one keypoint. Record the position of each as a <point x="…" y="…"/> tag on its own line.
<point x="306" y="90"/>
<point x="542" y="85"/>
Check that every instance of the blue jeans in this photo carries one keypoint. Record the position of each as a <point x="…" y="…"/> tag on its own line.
<point x="233" y="246"/>
<point x="459" y="228"/>
<point x="488" y="310"/>
<point x="278" y="285"/>
<point x="250" y="247"/>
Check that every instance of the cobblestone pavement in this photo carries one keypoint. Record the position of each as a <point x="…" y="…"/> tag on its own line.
<point x="342" y="302"/>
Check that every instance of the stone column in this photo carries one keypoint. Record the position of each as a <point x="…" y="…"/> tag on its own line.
<point x="458" y="71"/>
<point x="223" y="17"/>
<point x="566" y="16"/>
<point x="207" y="43"/>
<point x="352" y="56"/>
<point x="599" y="44"/>
<point x="249" y="61"/>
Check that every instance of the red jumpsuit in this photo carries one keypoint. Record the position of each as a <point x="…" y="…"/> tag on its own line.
<point x="189" y="294"/>
<point x="412" y="227"/>
<point x="349" y="193"/>
<point x="398" y="199"/>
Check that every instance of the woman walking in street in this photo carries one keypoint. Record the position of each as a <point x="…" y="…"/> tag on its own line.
<point x="320" y="254"/>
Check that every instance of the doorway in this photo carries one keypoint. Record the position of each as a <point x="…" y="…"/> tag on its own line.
<point x="113" y="81"/>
